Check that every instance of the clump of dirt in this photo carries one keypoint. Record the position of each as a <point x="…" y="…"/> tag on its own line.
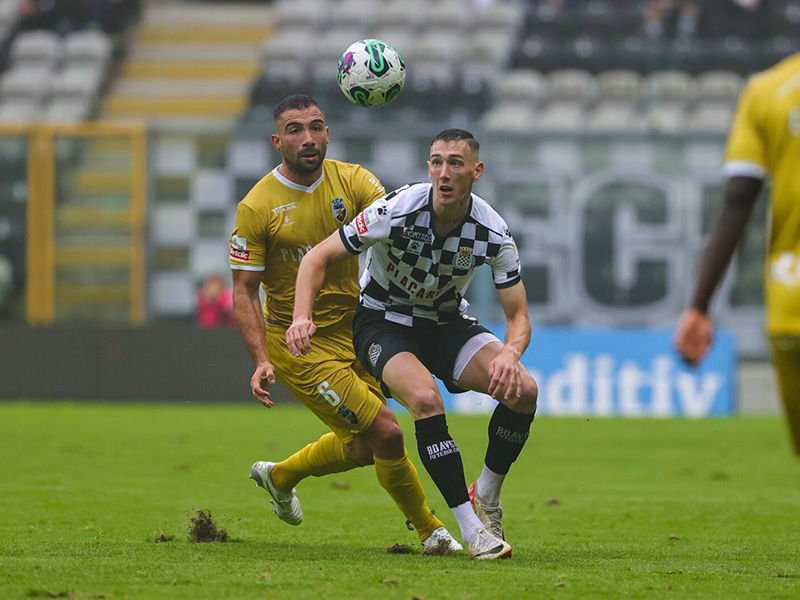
<point x="398" y="549"/>
<point x="163" y="537"/>
<point x="440" y="549"/>
<point x="553" y="502"/>
<point x="203" y="528"/>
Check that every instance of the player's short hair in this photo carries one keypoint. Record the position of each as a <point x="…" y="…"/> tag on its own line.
<point x="456" y="135"/>
<point x="293" y="102"/>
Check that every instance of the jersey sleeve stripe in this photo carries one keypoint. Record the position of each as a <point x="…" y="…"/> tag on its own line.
<point x="246" y="268"/>
<point x="346" y="242"/>
<point x="508" y="284"/>
<point x="742" y="168"/>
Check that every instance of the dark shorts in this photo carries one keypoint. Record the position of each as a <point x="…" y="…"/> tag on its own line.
<point x="376" y="340"/>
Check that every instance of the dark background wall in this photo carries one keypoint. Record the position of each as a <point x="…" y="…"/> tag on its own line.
<point x="151" y="363"/>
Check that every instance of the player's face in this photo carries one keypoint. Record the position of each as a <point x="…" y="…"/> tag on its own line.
<point x="453" y="167"/>
<point x="302" y="138"/>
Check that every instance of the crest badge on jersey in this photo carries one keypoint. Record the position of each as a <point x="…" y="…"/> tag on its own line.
<point x="339" y="209"/>
<point x="374" y="352"/>
<point x="464" y="258"/>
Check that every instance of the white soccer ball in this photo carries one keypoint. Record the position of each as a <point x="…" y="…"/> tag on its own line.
<point x="371" y="73"/>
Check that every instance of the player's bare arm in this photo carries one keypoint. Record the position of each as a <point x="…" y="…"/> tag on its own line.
<point x="505" y="369"/>
<point x="250" y="320"/>
<point x="695" y="332"/>
<point x="310" y="277"/>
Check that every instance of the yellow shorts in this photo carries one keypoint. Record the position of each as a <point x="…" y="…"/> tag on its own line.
<point x="329" y="380"/>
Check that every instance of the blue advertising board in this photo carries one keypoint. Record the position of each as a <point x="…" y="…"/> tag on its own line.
<point x="619" y="373"/>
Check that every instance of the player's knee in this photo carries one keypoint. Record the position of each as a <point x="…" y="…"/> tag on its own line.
<point x="425" y="402"/>
<point x="385" y="437"/>
<point x="526" y="403"/>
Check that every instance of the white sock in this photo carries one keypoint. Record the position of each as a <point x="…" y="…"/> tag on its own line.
<point x="467" y="520"/>
<point x="488" y="486"/>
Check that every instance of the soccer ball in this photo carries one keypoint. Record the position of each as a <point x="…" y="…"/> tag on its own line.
<point x="371" y="73"/>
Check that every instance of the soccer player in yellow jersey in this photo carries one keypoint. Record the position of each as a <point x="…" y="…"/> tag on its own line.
<point x="764" y="142"/>
<point x="297" y="205"/>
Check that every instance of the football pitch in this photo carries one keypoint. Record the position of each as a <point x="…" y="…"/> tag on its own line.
<point x="594" y="508"/>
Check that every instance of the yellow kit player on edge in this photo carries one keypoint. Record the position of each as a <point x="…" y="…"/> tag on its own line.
<point x="297" y="205"/>
<point x="764" y="142"/>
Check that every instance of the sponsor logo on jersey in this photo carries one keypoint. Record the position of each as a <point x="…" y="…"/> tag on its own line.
<point x="279" y="210"/>
<point x="371" y="216"/>
<point x="339" y="209"/>
<point x="361" y="226"/>
<point x="240" y="254"/>
<point x="239" y="242"/>
<point x="419" y="236"/>
<point x="374" y="352"/>
<point x="464" y="258"/>
<point x="347" y="414"/>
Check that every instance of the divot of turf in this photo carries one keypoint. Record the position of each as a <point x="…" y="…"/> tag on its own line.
<point x="203" y="528"/>
<point x="398" y="549"/>
<point x="163" y="537"/>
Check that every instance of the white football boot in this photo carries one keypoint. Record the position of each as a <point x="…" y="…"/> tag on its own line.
<point x="285" y="504"/>
<point x="485" y="546"/>
<point x="440" y="542"/>
<point x="491" y="515"/>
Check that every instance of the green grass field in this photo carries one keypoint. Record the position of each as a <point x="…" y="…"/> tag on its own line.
<point x="594" y="509"/>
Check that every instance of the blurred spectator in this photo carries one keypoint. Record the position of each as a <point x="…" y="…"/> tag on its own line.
<point x="114" y="16"/>
<point x="57" y="15"/>
<point x="214" y="304"/>
<point x="670" y="19"/>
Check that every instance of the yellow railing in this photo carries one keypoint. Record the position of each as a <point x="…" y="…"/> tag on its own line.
<point x="46" y="297"/>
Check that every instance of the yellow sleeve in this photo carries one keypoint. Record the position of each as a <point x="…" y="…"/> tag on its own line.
<point x="366" y="188"/>
<point x="249" y="240"/>
<point x="745" y="154"/>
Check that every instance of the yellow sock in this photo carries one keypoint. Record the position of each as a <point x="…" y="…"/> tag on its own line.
<point x="326" y="455"/>
<point x="399" y="477"/>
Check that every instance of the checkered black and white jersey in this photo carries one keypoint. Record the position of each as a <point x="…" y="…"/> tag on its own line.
<point x="412" y="273"/>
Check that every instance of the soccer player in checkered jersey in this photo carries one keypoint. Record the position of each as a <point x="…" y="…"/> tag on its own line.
<point x="764" y="143"/>
<point x="302" y="201"/>
<point x="424" y="242"/>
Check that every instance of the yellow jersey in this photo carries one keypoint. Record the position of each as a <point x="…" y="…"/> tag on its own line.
<point x="279" y="221"/>
<point x="764" y="142"/>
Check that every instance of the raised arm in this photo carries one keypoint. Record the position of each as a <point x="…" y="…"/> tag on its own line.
<point x="250" y="320"/>
<point x="505" y="369"/>
<point x="694" y="334"/>
<point x="310" y="277"/>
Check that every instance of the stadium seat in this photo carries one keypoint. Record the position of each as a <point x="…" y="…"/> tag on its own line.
<point x="352" y="14"/>
<point x="174" y="156"/>
<point x="497" y="16"/>
<point x="704" y="156"/>
<point x="211" y="189"/>
<point x="206" y="255"/>
<point x="719" y="86"/>
<point x="399" y="14"/>
<point x="24" y="83"/>
<point x="670" y="86"/>
<point x="18" y="112"/>
<point x="439" y="45"/>
<point x="68" y="110"/>
<point x="294" y="13"/>
<point x="522" y="86"/>
<point x="172" y="293"/>
<point x="711" y="117"/>
<point x="293" y="43"/>
<point x="445" y="15"/>
<point x="560" y="156"/>
<point x="173" y="225"/>
<point x="509" y="118"/>
<point x="90" y="48"/>
<point x="572" y="85"/>
<point x="666" y="117"/>
<point x="562" y="117"/>
<point x="77" y="82"/>
<point x="248" y="157"/>
<point x="619" y="85"/>
<point x="36" y="49"/>
<point x="614" y="116"/>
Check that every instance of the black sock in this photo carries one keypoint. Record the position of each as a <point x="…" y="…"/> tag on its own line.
<point x="508" y="432"/>
<point x="442" y="459"/>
